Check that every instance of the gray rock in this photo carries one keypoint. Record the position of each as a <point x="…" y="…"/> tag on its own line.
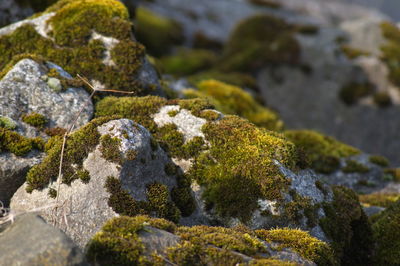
<point x="22" y="90"/>
<point x="30" y="241"/>
<point x="83" y="208"/>
<point x="11" y="11"/>
<point x="372" y="210"/>
<point x="156" y="240"/>
<point x="13" y="170"/>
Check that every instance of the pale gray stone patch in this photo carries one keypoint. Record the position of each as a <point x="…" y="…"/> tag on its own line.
<point x="40" y="24"/>
<point x="109" y="43"/>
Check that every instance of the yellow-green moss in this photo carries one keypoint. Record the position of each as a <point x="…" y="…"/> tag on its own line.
<point x="347" y="225"/>
<point x="35" y="120"/>
<point x="271" y="262"/>
<point x="394" y="173"/>
<point x="305" y="245"/>
<point x="352" y="92"/>
<point x="110" y="149"/>
<point x="78" y="146"/>
<point x="260" y="40"/>
<point x="210" y="115"/>
<point x="173" y="113"/>
<point x="156" y="32"/>
<point x="238" y="169"/>
<point x="323" y="151"/>
<point x="382" y="99"/>
<point x="233" y="100"/>
<point x="185" y="62"/>
<point x="391" y="50"/>
<point x="379" y="160"/>
<point x="353" y="166"/>
<point x="72" y="49"/>
<point x="118" y="243"/>
<point x="7" y="123"/>
<point x="352" y="52"/>
<point x="158" y="203"/>
<point x="379" y="199"/>
<point x="182" y="195"/>
<point x="55" y="131"/>
<point x="386" y="228"/>
<point x="13" y="142"/>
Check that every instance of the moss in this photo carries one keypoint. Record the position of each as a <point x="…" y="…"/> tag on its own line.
<point x="382" y="99"/>
<point x="110" y="149"/>
<point x="182" y="196"/>
<point x="271" y="262"/>
<point x="78" y="145"/>
<point x="379" y="199"/>
<point x="156" y="32"/>
<point x="352" y="92"/>
<point x="347" y="225"/>
<point x="260" y="40"/>
<point x="352" y="52"/>
<point x="394" y="173"/>
<point x="15" y="59"/>
<point x="52" y="193"/>
<point x="233" y="100"/>
<point x="209" y="115"/>
<point x="158" y="202"/>
<point x="238" y="169"/>
<point x="19" y="145"/>
<point x="35" y="120"/>
<point x="379" y="160"/>
<point x="55" y="131"/>
<point x="353" y="166"/>
<point x="73" y="48"/>
<point x="298" y="208"/>
<point x="235" y="78"/>
<point x="7" y="123"/>
<point x="84" y="176"/>
<point x="391" y="50"/>
<point x="386" y="227"/>
<point x="202" y="41"/>
<point x="173" y="113"/>
<point x="186" y="62"/>
<point x="301" y="242"/>
<point x="322" y="151"/>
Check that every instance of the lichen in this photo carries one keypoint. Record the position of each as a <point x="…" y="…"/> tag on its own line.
<point x="78" y="145"/>
<point x="233" y="100"/>
<point x="239" y="167"/>
<point x="74" y="50"/>
<point x="35" y="120"/>
<point x="353" y="166"/>
<point x="156" y="32"/>
<point x="13" y="142"/>
<point x="323" y="152"/>
<point x="305" y="245"/>
<point x="386" y="229"/>
<point x="347" y="225"/>
<point x="260" y="40"/>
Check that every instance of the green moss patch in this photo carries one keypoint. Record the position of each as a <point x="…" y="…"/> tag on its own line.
<point x="7" y="123"/>
<point x="19" y="145"/>
<point x="391" y="50"/>
<point x="233" y="100"/>
<point x="353" y="166"/>
<point x="386" y="228"/>
<point x="238" y="169"/>
<point x="352" y="92"/>
<point x="260" y="40"/>
<point x="322" y="151"/>
<point x="379" y="160"/>
<point x="347" y="225"/>
<point x="379" y="199"/>
<point x="78" y="145"/>
<point x="72" y="48"/>
<point x="35" y="120"/>
<point x="156" y="32"/>
<point x="110" y="149"/>
<point x="307" y="246"/>
<point x="352" y="52"/>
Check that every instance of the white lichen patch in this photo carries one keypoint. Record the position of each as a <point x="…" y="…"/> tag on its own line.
<point x="109" y="44"/>
<point x="130" y="133"/>
<point x="268" y="205"/>
<point x="185" y="165"/>
<point x="40" y="24"/>
<point x="188" y="124"/>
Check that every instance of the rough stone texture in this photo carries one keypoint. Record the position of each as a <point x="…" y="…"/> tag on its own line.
<point x="30" y="241"/>
<point x="286" y="254"/>
<point x="40" y="24"/>
<point x="11" y="12"/>
<point x="156" y="240"/>
<point x="13" y="170"/>
<point x="24" y="90"/>
<point x="372" y="210"/>
<point x="84" y="207"/>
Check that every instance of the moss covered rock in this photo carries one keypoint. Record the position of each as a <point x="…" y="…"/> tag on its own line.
<point x="109" y="167"/>
<point x="145" y="241"/>
<point x="87" y="37"/>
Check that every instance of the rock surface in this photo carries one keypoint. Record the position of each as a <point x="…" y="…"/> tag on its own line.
<point x="30" y="241"/>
